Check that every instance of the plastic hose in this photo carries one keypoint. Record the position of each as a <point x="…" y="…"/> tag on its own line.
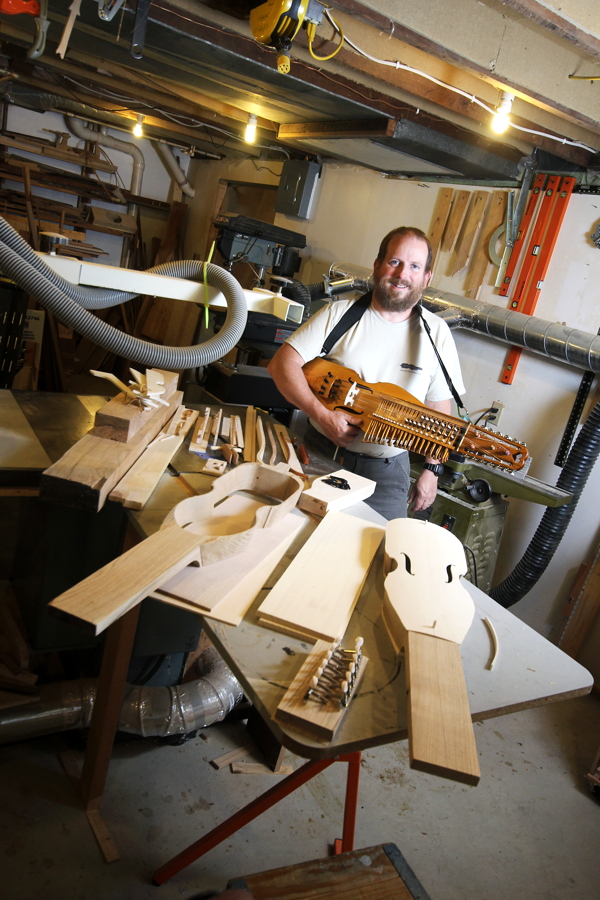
<point x="554" y="523"/>
<point x="32" y="279"/>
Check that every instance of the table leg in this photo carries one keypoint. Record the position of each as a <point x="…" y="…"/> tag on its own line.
<point x="107" y="706"/>
<point x="351" y="804"/>
<point x="260" y="805"/>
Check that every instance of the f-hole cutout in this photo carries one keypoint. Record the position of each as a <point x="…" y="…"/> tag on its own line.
<point x="449" y="571"/>
<point x="407" y="563"/>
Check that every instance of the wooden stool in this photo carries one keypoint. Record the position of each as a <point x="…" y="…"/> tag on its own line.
<point x="374" y="873"/>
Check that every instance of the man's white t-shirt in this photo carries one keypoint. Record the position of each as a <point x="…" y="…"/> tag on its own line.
<point x="378" y="350"/>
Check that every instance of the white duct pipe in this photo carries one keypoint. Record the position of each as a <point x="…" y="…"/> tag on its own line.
<point x="82" y="131"/>
<point x="173" y="168"/>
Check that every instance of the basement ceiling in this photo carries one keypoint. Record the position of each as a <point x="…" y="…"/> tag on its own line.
<point x="202" y="72"/>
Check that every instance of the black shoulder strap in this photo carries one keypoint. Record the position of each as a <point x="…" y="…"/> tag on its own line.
<point x="350" y="318"/>
<point x="445" y="372"/>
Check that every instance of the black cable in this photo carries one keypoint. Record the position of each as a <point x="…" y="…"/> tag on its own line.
<point x="484" y="413"/>
<point x="474" y="564"/>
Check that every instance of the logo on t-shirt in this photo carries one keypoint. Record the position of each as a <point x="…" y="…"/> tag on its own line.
<point x="411" y="367"/>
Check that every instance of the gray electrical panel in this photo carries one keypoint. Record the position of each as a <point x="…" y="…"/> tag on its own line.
<point x="296" y="187"/>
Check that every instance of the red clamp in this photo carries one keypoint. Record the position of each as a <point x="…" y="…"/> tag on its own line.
<point x="14" y="7"/>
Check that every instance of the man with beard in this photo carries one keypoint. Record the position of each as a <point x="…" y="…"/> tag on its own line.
<point x="386" y="343"/>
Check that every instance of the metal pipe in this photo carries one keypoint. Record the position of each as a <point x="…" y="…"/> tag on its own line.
<point x="174" y="169"/>
<point x="551" y="339"/>
<point x="147" y="711"/>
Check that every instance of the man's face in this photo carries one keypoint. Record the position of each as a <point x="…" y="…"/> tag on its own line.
<point x="400" y="277"/>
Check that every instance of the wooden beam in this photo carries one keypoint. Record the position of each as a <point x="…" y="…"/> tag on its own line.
<point x="361" y="128"/>
<point x="559" y="25"/>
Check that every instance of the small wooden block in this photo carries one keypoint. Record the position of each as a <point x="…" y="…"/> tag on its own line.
<point x="199" y="441"/>
<point x="215" y="467"/>
<point x="221" y="761"/>
<point x="101" y="833"/>
<point x="320" y="498"/>
<point x="259" y="769"/>
<point x="250" y="435"/>
<point x="215" y="429"/>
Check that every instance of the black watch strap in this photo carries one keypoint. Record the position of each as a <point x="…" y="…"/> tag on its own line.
<point x="436" y="468"/>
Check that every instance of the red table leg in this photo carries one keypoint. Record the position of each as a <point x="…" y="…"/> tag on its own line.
<point x="264" y="802"/>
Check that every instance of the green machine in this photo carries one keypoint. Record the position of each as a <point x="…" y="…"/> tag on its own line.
<point x="472" y="501"/>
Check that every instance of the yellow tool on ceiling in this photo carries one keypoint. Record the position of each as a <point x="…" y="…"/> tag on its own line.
<point x="277" y="22"/>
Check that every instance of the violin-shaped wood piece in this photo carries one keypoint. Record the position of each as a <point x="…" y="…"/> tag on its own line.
<point x="428" y="612"/>
<point x="394" y="417"/>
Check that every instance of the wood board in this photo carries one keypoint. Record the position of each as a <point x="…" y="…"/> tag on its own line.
<point x="315" y="597"/>
<point x="320" y="498"/>
<point x="85" y="475"/>
<point x="199" y="441"/>
<point x="288" y="449"/>
<point x="19" y="445"/>
<point x="481" y="258"/>
<point x="455" y="219"/>
<point x="105" y="596"/>
<point x="440" y="217"/>
<point x="209" y="585"/>
<point x="583" y="611"/>
<point x="235" y="604"/>
<point x="440" y="730"/>
<point x="470" y="230"/>
<point x="320" y="720"/>
<point x="136" y="487"/>
<point x="250" y="435"/>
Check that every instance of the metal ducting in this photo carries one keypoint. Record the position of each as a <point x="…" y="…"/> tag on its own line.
<point x="551" y="339"/>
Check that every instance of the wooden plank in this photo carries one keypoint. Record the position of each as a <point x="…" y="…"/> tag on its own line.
<point x="320" y="720"/>
<point x="273" y="443"/>
<point x="220" y="762"/>
<point x="86" y="474"/>
<point x="126" y="418"/>
<point x="110" y="592"/>
<point x="19" y="445"/>
<point x="234" y="605"/>
<point x="260" y="439"/>
<point x="584" y="611"/>
<point x="259" y="769"/>
<point x="237" y="436"/>
<point x="321" y="498"/>
<point x="199" y="441"/>
<point x="481" y="260"/>
<point x="102" y="835"/>
<point x="319" y="590"/>
<point x="455" y="220"/>
<point x="440" y="217"/>
<point x="440" y="730"/>
<point x="210" y="585"/>
<point x="289" y="452"/>
<point x="136" y="487"/>
<point x="470" y="230"/>
<point x="213" y="441"/>
<point x="250" y="435"/>
<point x="365" y="874"/>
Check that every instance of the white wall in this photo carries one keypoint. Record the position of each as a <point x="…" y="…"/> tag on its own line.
<point x="353" y="210"/>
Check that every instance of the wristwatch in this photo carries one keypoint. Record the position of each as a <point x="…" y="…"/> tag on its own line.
<point x="436" y="468"/>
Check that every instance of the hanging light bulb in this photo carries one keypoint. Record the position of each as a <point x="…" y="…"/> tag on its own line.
<point x="501" y="119"/>
<point x="137" y="128"/>
<point x="250" y="135"/>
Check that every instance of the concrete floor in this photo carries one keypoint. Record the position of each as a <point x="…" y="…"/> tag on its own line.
<point x="531" y="829"/>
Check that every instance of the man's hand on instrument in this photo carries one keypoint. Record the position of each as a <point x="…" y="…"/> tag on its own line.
<point x="340" y="427"/>
<point x="423" y="491"/>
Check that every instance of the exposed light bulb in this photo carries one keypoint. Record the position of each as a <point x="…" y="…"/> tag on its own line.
<point x="501" y="120"/>
<point x="138" y="131"/>
<point x="250" y="135"/>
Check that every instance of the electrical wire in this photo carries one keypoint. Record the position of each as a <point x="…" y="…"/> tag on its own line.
<point x="484" y="413"/>
<point x="396" y="64"/>
<point x="474" y="564"/>
<point x="311" y="33"/>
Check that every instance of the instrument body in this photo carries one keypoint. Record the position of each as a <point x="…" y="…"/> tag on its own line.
<point x="394" y="417"/>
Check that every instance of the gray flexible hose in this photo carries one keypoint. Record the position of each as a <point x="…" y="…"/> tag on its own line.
<point x="71" y="313"/>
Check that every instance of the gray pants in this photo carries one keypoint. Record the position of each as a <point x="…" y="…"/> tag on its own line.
<point x="391" y="475"/>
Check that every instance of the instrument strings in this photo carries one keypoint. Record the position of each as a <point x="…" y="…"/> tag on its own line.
<point x="399" y="425"/>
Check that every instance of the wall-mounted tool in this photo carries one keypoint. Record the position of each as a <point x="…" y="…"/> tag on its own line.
<point x="74" y="11"/>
